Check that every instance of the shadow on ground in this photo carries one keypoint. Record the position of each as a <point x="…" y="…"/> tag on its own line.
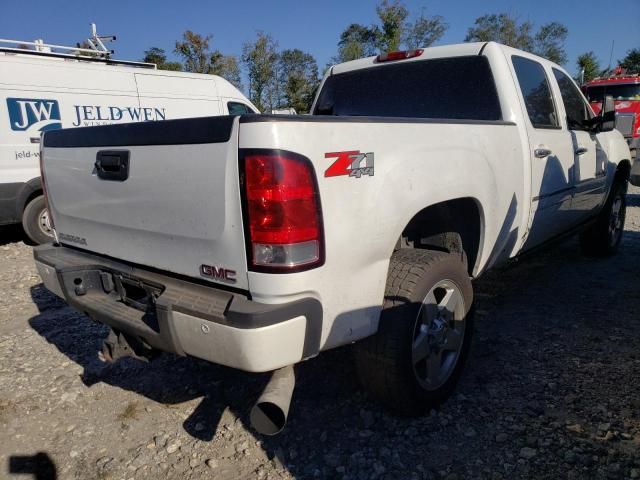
<point x="633" y="200"/>
<point x="323" y="384"/>
<point x="11" y="234"/>
<point x="535" y="317"/>
<point x="39" y="466"/>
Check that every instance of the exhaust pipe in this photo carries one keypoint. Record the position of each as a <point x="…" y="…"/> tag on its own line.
<point x="269" y="414"/>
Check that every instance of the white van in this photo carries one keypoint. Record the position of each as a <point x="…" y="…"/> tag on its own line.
<point x="41" y="90"/>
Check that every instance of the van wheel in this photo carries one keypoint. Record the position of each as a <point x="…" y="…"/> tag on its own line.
<point x="604" y="236"/>
<point x="36" y="221"/>
<point x="414" y="360"/>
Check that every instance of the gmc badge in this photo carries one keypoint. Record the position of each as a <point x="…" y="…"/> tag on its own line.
<point x="220" y="274"/>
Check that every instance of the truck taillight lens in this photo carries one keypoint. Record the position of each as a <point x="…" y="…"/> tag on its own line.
<point x="283" y="208"/>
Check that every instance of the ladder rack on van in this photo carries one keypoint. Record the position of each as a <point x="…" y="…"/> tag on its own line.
<point x="97" y="52"/>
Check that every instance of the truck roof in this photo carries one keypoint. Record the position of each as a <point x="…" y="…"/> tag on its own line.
<point x="457" y="50"/>
<point x="443" y="51"/>
<point x="618" y="79"/>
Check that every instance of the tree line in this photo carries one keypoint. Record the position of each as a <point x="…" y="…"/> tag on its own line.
<point x="289" y="78"/>
<point x="589" y="67"/>
<point x="276" y="78"/>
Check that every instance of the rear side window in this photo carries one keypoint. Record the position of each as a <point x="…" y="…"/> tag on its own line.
<point x="447" y="88"/>
<point x="237" y="108"/>
<point x="578" y="113"/>
<point x="536" y="92"/>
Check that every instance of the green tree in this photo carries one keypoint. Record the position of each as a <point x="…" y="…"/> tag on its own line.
<point x="157" y="55"/>
<point x="588" y="63"/>
<point x="424" y="31"/>
<point x="356" y="41"/>
<point x="198" y="57"/>
<point x="227" y="67"/>
<point x="298" y="72"/>
<point x="194" y="50"/>
<point x="393" y="32"/>
<point x="501" y="28"/>
<point x="631" y="61"/>
<point x="259" y="58"/>
<point x="547" y="42"/>
<point x="393" y="16"/>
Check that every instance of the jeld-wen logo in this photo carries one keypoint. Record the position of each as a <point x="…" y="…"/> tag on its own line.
<point x="33" y="114"/>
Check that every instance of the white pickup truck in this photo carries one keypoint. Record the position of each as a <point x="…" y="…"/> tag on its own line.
<point x="258" y="241"/>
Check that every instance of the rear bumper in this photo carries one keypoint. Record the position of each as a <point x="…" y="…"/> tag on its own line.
<point x="184" y="318"/>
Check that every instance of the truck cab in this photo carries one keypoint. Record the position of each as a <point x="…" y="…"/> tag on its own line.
<point x="625" y="90"/>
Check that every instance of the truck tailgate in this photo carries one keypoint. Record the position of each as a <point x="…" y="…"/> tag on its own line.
<point x="178" y="209"/>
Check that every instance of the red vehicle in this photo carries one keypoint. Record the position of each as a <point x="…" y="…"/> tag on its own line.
<point x="625" y="90"/>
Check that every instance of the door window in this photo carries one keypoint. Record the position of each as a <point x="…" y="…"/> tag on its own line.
<point x="578" y="113"/>
<point x="536" y="92"/>
<point x="237" y="108"/>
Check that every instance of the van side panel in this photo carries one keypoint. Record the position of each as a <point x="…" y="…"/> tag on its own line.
<point x="42" y="94"/>
<point x="170" y="97"/>
<point x="39" y="95"/>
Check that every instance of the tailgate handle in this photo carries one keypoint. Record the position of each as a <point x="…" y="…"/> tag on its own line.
<point x="112" y="165"/>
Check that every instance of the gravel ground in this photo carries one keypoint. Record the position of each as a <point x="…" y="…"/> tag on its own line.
<point x="550" y="390"/>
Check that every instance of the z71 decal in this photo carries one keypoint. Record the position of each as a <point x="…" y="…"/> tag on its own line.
<point x="351" y="163"/>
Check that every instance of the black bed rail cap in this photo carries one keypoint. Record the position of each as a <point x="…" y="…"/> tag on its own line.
<point x="162" y="132"/>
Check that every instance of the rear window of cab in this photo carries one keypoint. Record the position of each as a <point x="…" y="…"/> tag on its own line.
<point x="461" y="88"/>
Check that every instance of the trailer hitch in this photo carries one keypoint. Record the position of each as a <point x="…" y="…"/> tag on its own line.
<point x="117" y="345"/>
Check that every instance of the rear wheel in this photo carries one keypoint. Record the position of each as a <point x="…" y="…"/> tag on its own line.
<point x="604" y="236"/>
<point x="36" y="221"/>
<point x="414" y="360"/>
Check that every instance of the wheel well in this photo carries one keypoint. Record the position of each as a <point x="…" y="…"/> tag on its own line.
<point x="453" y="226"/>
<point x="623" y="171"/>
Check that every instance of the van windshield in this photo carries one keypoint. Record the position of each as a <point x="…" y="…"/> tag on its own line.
<point x="446" y="88"/>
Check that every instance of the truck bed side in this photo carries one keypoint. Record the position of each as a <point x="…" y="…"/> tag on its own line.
<point x="416" y="164"/>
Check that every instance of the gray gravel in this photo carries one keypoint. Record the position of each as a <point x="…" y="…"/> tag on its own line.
<point x="551" y="390"/>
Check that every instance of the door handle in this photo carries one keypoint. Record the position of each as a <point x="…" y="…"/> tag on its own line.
<point x="112" y="165"/>
<point x="581" y="150"/>
<point x="542" y="152"/>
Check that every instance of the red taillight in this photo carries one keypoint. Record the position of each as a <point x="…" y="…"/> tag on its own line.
<point x="400" y="55"/>
<point x="283" y="210"/>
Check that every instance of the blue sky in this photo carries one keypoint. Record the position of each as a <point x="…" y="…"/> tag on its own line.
<point x="311" y="26"/>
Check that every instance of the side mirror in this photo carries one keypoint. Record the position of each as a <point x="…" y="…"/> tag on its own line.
<point x="608" y="114"/>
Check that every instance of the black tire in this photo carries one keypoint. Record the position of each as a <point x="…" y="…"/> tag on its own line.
<point x="603" y="238"/>
<point x="385" y="361"/>
<point x="32" y="221"/>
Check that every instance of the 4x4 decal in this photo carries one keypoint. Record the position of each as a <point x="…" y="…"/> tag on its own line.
<point x="352" y="163"/>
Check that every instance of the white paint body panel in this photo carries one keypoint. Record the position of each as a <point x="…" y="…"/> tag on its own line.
<point x="178" y="209"/>
<point x="363" y="218"/>
<point x="251" y="349"/>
